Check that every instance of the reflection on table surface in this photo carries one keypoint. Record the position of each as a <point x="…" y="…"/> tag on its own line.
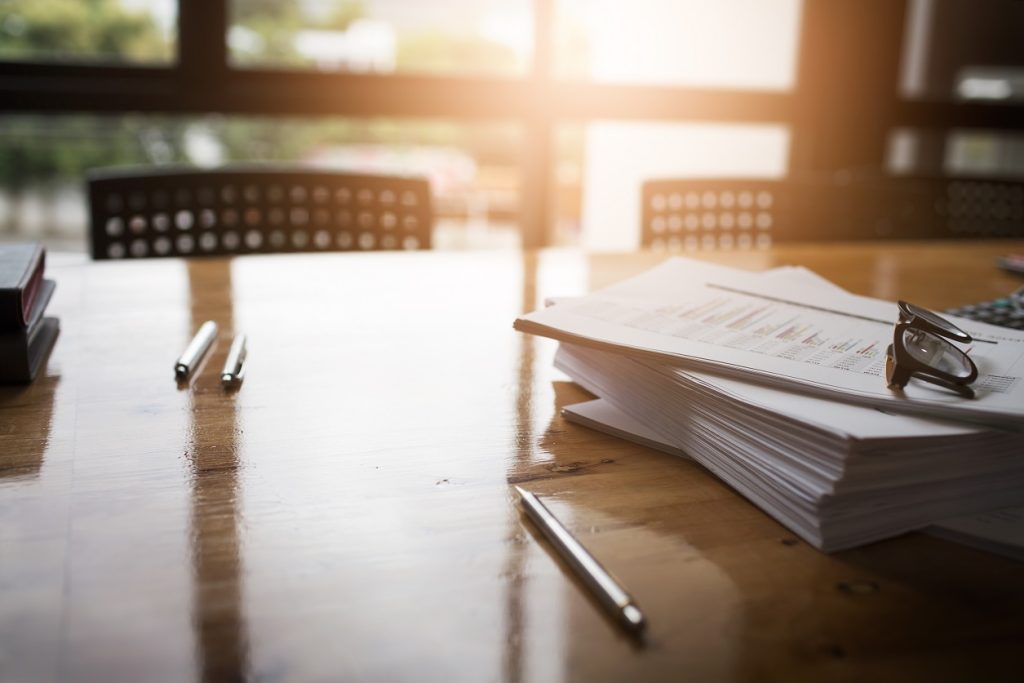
<point x="347" y="514"/>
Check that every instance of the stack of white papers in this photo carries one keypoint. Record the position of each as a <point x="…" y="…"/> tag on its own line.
<point x="762" y="407"/>
<point x="1000" y="531"/>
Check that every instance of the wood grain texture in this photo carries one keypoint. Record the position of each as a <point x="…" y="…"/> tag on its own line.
<point x="347" y="515"/>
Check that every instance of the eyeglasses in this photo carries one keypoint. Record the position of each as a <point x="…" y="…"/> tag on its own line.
<point x="921" y="348"/>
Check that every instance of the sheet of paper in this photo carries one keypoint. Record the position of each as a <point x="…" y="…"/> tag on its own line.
<point x="770" y="330"/>
<point x="601" y="415"/>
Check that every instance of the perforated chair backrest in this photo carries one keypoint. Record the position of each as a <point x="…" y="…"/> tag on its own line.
<point x="154" y="213"/>
<point x="706" y="214"/>
<point x="981" y="207"/>
<point x="694" y="214"/>
<point x="912" y="207"/>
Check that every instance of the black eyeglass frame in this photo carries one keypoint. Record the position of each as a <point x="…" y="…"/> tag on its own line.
<point x="900" y="365"/>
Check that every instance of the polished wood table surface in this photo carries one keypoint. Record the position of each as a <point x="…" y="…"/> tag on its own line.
<point x="347" y="514"/>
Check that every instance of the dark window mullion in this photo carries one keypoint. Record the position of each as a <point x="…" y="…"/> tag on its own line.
<point x="848" y="67"/>
<point x="202" y="42"/>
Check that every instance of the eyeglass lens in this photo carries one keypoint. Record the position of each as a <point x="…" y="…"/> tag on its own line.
<point x="937" y="353"/>
<point x="935" y="320"/>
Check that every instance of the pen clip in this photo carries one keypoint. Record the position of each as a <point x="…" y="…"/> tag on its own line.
<point x="234" y="365"/>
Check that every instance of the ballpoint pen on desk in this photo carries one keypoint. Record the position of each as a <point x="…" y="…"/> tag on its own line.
<point x="609" y="592"/>
<point x="195" y="350"/>
<point x="234" y="365"/>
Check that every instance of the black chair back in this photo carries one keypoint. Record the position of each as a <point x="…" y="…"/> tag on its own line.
<point x="693" y="214"/>
<point x="188" y="212"/>
<point x="713" y="213"/>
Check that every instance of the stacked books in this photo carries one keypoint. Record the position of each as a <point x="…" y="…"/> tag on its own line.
<point x="26" y="335"/>
<point x="838" y="469"/>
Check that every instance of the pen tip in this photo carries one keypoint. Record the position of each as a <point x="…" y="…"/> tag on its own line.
<point x="634" y="618"/>
<point x="519" y="490"/>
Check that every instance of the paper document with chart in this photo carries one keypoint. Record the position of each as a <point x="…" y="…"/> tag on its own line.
<point x="735" y="323"/>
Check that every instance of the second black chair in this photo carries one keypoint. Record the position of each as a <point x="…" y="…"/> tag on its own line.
<point x="740" y="213"/>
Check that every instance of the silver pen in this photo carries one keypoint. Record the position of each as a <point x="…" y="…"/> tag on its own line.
<point x="234" y="366"/>
<point x="608" y="591"/>
<point x="195" y="350"/>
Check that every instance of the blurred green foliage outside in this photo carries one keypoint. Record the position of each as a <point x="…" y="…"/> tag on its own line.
<point x="38" y="151"/>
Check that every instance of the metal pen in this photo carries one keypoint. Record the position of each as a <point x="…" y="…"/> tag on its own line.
<point x="609" y="592"/>
<point x="234" y="365"/>
<point x="195" y="350"/>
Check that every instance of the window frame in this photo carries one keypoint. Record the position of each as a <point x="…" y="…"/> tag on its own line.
<point x="836" y="123"/>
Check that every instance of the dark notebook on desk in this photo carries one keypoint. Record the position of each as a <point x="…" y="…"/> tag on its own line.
<point x="21" y="277"/>
<point x="22" y="351"/>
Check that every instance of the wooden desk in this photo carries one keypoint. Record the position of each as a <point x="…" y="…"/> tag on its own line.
<point x="346" y="515"/>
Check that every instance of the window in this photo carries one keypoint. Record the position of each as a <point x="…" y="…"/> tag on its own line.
<point x="958" y="152"/>
<point x="964" y="50"/>
<point x="523" y="113"/>
<point x="472" y="168"/>
<point x="740" y="44"/>
<point x="620" y="156"/>
<point x="492" y="37"/>
<point x="113" y="31"/>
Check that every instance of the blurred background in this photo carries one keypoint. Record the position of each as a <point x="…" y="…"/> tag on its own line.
<point x="534" y="120"/>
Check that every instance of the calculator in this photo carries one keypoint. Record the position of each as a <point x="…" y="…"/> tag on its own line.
<point x="1007" y="311"/>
